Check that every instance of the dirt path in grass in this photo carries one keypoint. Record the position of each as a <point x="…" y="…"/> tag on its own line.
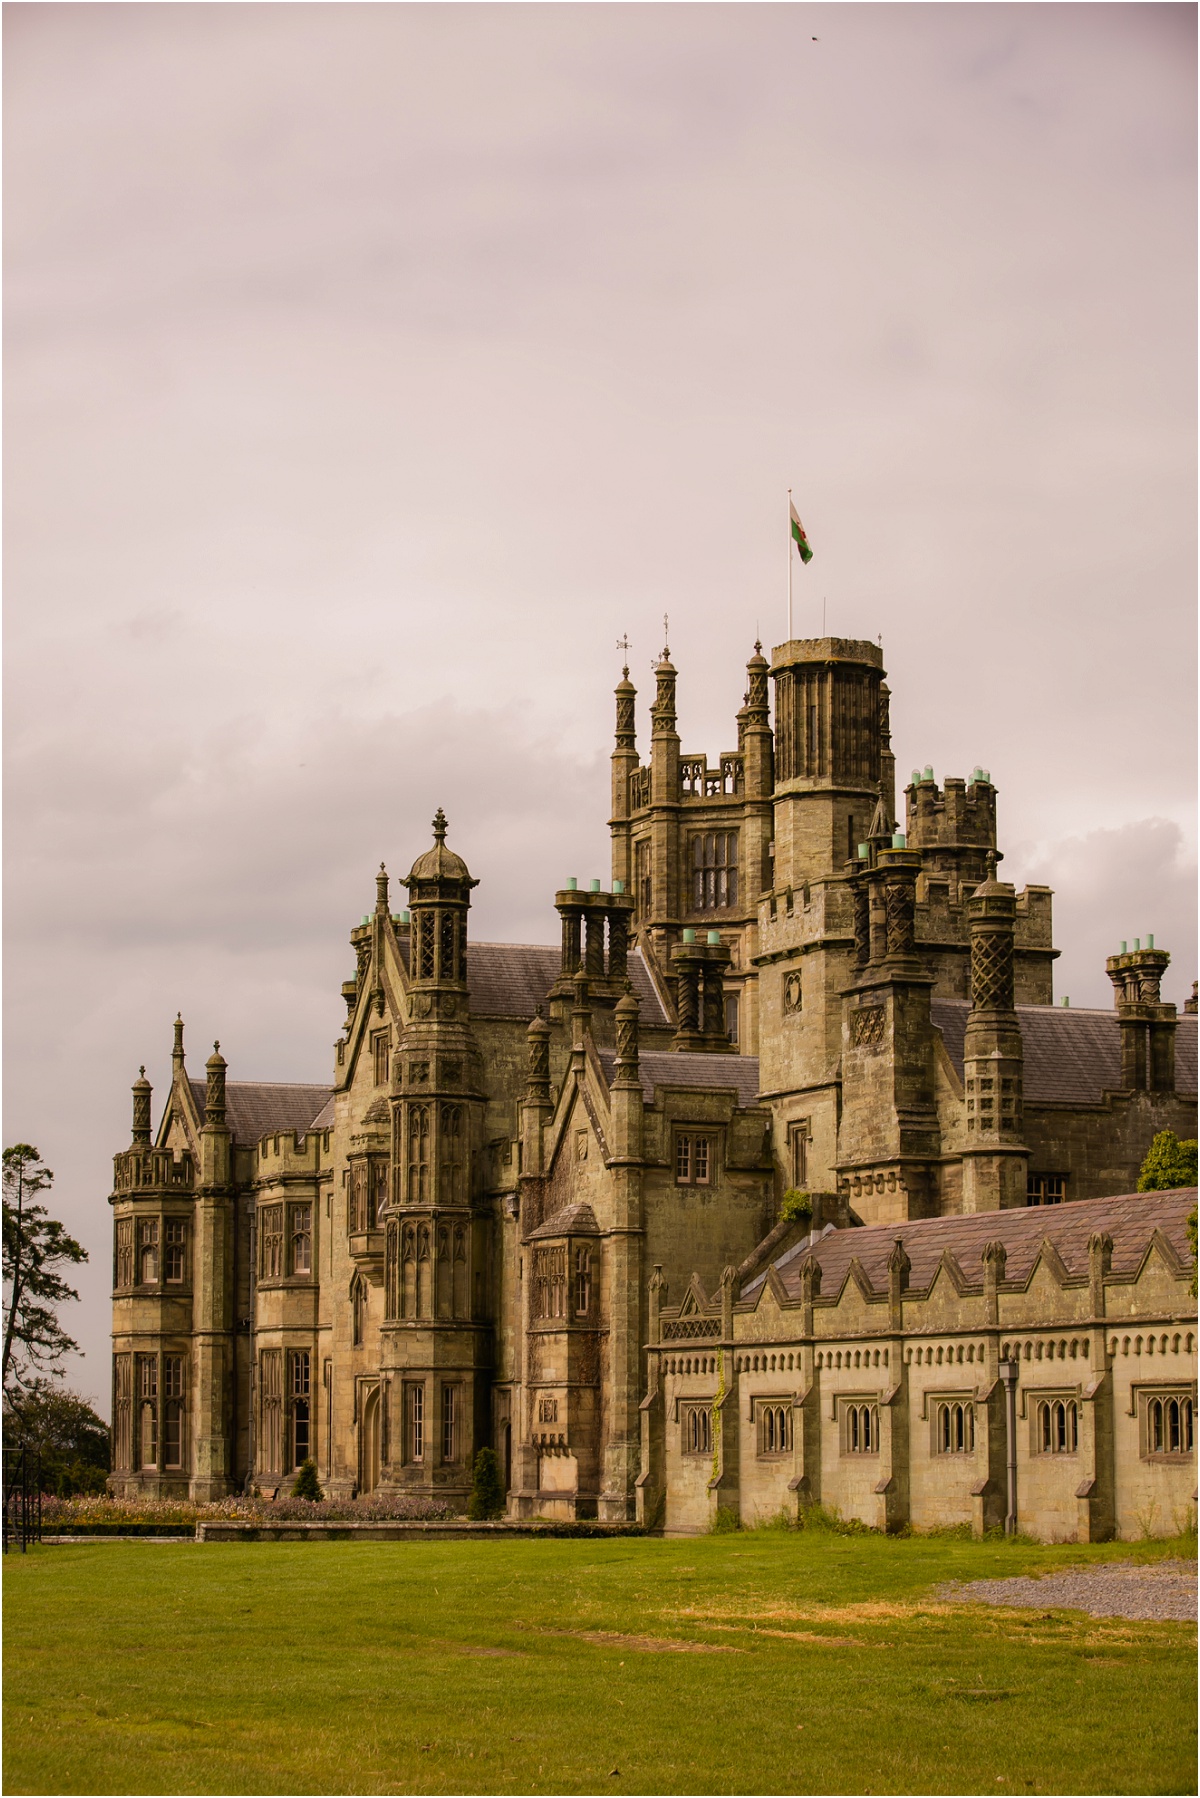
<point x="1162" y="1592"/>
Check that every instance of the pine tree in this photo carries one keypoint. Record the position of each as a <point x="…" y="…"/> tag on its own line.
<point x="307" y="1485"/>
<point x="487" y="1489"/>
<point x="35" y="1246"/>
<point x="1169" y="1163"/>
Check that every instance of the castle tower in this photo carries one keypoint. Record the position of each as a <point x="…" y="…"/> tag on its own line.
<point x="829" y="714"/>
<point x="831" y="769"/>
<point x="435" y="1360"/>
<point x="888" y="1140"/>
<point x="995" y="1160"/>
<point x="691" y="842"/>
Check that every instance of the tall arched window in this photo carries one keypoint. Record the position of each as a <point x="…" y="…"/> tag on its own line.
<point x="955" y="1427"/>
<point x="452" y="1153"/>
<point x="1057" y="1427"/>
<point x="418" y="1154"/>
<point x="860" y="1429"/>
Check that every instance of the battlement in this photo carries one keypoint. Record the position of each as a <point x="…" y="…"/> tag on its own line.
<point x="962" y="814"/>
<point x="281" y="1147"/>
<point x="143" y="1171"/>
<point x="826" y="649"/>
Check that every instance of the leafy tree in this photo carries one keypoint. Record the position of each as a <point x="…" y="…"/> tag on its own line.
<point x="1169" y="1162"/>
<point x="487" y="1488"/>
<point x="307" y="1484"/>
<point x="71" y="1439"/>
<point x="35" y="1245"/>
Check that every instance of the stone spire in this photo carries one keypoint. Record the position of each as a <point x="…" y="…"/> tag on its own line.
<point x="177" y="1051"/>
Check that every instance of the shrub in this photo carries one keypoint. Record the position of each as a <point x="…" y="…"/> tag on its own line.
<point x="726" y="1522"/>
<point x="1169" y="1163"/>
<point x="487" y="1488"/>
<point x="796" y="1204"/>
<point x="307" y="1484"/>
<point x="831" y="1522"/>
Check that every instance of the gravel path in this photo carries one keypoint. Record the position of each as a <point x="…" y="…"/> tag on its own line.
<point x="1159" y="1591"/>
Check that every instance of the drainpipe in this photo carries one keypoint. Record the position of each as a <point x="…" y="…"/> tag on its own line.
<point x="1008" y="1373"/>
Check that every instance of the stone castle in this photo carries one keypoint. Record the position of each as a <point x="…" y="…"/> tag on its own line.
<point x="781" y="1180"/>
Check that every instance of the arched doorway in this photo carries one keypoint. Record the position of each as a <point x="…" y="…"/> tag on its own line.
<point x="368" y="1443"/>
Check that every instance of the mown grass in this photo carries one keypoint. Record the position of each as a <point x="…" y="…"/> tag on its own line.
<point x="823" y="1666"/>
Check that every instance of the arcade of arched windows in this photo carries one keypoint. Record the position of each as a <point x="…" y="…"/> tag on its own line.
<point x="427" y="1268"/>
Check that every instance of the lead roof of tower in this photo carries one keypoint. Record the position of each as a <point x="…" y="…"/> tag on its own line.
<point x="439" y="863"/>
<point x="991" y="884"/>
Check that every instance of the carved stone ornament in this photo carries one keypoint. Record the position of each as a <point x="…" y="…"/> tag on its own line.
<point x="793" y="993"/>
<point x="868" y="1027"/>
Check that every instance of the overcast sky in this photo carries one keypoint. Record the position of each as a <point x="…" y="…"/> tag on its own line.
<point x="372" y="369"/>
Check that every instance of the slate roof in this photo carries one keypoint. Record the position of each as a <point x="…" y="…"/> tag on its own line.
<point x="665" y="1067"/>
<point x="1130" y="1220"/>
<point x="573" y="1220"/>
<point x="255" y="1110"/>
<point x="510" y="980"/>
<point x="1072" y="1056"/>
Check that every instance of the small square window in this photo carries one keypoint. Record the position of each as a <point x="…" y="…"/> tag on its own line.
<point x="693" y="1159"/>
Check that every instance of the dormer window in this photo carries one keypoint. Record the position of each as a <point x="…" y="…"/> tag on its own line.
<point x="693" y="1158"/>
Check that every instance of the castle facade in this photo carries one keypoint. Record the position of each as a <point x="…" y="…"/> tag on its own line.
<point x="541" y="1204"/>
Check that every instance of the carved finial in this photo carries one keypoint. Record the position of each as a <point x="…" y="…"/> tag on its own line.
<point x="624" y="645"/>
<point x="439" y="826"/>
<point x="990" y="860"/>
<point x="142" y="1073"/>
<point x="381" y="889"/>
<point x="177" y="1051"/>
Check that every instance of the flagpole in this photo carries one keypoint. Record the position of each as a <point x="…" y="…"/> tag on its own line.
<point x="789" y="554"/>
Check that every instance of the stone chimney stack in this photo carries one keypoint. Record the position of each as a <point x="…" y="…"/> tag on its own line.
<point x="1147" y="1023"/>
<point x="995" y="1159"/>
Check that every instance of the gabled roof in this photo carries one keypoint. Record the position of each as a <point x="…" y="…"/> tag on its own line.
<point x="510" y="980"/>
<point x="1130" y="1220"/>
<point x="659" y="1068"/>
<point x="1072" y="1056"/>
<point x="254" y="1110"/>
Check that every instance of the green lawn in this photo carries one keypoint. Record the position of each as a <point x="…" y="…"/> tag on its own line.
<point x="822" y="1666"/>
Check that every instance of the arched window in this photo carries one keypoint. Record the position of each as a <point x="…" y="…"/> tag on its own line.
<point x="774" y="1429"/>
<point x="301" y="1238"/>
<point x="298" y="1404"/>
<point x="418" y="1154"/>
<point x="147" y="1250"/>
<point x="696" y="1432"/>
<point x="452" y="1152"/>
<point x="955" y="1427"/>
<point x="1170" y="1425"/>
<point x="860" y="1429"/>
<point x="174" y="1443"/>
<point x="147" y="1410"/>
<point x="358" y="1296"/>
<point x="1057" y="1426"/>
<point x="583" y="1282"/>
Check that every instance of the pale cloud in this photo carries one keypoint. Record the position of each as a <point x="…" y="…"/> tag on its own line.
<point x="371" y="369"/>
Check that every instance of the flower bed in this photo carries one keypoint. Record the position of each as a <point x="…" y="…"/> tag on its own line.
<point x="105" y="1515"/>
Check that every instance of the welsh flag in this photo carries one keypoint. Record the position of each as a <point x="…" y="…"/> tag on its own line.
<point x="798" y="535"/>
